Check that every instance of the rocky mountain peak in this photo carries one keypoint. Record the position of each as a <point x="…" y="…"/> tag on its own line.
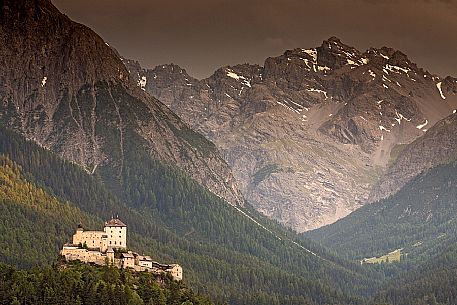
<point x="281" y="126"/>
<point x="64" y="87"/>
<point x="335" y="54"/>
<point x="385" y="58"/>
<point x="163" y="75"/>
<point x="29" y="9"/>
<point x="171" y="71"/>
<point x="333" y="39"/>
<point x="39" y="39"/>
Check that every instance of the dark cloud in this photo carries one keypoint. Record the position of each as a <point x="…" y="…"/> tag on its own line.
<point x="203" y="35"/>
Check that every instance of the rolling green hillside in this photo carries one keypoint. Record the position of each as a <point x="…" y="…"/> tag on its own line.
<point x="420" y="219"/>
<point x="34" y="223"/>
<point x="233" y="254"/>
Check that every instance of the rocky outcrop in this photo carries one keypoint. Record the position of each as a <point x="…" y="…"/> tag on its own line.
<point x="62" y="86"/>
<point x="308" y="134"/>
<point x="437" y="146"/>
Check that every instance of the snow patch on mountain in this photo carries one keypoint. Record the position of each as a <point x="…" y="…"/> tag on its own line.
<point x="420" y="126"/>
<point x="438" y="85"/>
<point x="400" y="117"/>
<point x="319" y="91"/>
<point x="385" y="56"/>
<point x="230" y="73"/>
<point x="288" y="107"/>
<point x="382" y="128"/>
<point x="396" y="69"/>
<point x="142" y="83"/>
<point x="323" y="68"/>
<point x="372" y="74"/>
<point x="312" y="53"/>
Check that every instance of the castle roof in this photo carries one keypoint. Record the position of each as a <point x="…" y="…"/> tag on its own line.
<point x="115" y="222"/>
<point x="144" y="258"/>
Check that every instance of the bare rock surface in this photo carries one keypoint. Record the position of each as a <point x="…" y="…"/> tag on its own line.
<point x="309" y="133"/>
<point x="62" y="86"/>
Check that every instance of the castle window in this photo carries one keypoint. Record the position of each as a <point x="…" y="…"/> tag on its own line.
<point x="120" y="243"/>
<point x="110" y="242"/>
<point x="115" y="242"/>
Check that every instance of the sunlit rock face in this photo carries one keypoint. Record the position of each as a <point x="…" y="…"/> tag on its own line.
<point x="310" y="132"/>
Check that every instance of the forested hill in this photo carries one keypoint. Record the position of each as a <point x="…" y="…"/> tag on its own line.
<point x="77" y="284"/>
<point x="234" y="255"/>
<point x="420" y="218"/>
<point x="434" y="283"/>
<point x="34" y="224"/>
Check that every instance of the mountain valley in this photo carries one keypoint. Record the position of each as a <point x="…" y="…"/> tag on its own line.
<point x="309" y="134"/>
<point x="284" y="183"/>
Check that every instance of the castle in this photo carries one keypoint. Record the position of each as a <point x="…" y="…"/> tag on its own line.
<point x="110" y="246"/>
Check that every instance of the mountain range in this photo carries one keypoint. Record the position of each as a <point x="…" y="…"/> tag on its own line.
<point x="309" y="134"/>
<point x="80" y="142"/>
<point x="355" y="150"/>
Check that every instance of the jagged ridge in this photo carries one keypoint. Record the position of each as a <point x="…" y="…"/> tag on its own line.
<point x="309" y="133"/>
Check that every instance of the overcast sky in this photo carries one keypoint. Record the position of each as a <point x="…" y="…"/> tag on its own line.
<point x="203" y="35"/>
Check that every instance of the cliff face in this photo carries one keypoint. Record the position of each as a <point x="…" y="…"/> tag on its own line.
<point x="437" y="146"/>
<point x="62" y="86"/>
<point x="308" y="133"/>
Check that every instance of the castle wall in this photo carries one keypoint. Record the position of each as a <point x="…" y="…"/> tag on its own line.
<point x="84" y="255"/>
<point x="128" y="262"/>
<point x="176" y="272"/>
<point x="93" y="239"/>
<point x="147" y="264"/>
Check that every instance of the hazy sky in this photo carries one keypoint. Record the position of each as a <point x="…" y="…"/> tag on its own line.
<point x="202" y="35"/>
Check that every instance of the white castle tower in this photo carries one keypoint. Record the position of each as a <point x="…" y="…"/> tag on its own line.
<point x="116" y="231"/>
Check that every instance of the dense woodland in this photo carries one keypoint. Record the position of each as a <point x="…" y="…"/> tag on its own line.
<point x="34" y="223"/>
<point x="433" y="283"/>
<point x="79" y="284"/>
<point x="222" y="251"/>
